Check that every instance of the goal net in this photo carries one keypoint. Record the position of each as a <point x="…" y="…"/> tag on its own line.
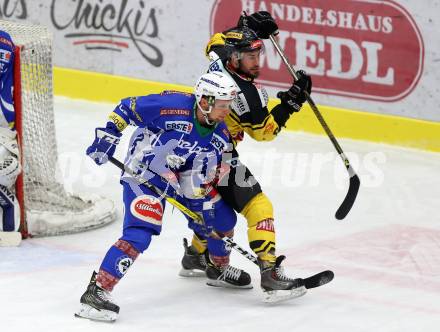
<point x="47" y="209"/>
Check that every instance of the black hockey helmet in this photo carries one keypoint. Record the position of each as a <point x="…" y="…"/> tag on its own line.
<point x="242" y="39"/>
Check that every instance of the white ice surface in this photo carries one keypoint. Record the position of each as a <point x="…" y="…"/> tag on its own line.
<point x="385" y="254"/>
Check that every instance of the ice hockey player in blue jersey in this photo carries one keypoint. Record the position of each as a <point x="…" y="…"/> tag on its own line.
<point x="7" y="114"/>
<point x="9" y="154"/>
<point x="177" y="147"/>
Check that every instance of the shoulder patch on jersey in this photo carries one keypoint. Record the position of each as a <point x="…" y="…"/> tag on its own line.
<point x="168" y="111"/>
<point x="147" y="208"/>
<point x="180" y="126"/>
<point x="219" y="143"/>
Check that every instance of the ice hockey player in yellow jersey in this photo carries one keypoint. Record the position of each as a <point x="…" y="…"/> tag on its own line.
<point x="237" y="53"/>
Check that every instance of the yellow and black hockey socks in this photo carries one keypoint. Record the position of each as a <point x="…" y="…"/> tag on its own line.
<point x="261" y="231"/>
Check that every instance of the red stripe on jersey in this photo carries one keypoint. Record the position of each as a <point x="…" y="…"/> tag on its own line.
<point x="127" y="248"/>
<point x="220" y="261"/>
<point x="106" y="280"/>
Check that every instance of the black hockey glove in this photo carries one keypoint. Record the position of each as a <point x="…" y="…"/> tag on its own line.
<point x="295" y="96"/>
<point x="261" y="22"/>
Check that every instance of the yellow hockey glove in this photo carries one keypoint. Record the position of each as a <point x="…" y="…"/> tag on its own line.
<point x="216" y="40"/>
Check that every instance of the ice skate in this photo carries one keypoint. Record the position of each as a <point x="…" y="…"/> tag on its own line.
<point x="227" y="277"/>
<point x="96" y="303"/>
<point x="193" y="263"/>
<point x="277" y="286"/>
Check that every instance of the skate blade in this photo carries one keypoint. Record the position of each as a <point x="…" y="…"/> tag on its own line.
<point x="276" y="296"/>
<point x="224" y="284"/>
<point x="88" y="312"/>
<point x="192" y="273"/>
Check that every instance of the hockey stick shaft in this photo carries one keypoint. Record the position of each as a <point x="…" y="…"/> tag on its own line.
<point x="354" y="179"/>
<point x="182" y="208"/>
<point x="313" y="106"/>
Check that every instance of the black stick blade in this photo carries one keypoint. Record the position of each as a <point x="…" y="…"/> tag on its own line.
<point x="319" y="279"/>
<point x="349" y="198"/>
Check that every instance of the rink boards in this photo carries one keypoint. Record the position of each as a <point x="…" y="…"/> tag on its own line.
<point x="345" y="123"/>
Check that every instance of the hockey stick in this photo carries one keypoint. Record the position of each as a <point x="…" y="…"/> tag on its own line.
<point x="353" y="189"/>
<point x="313" y="281"/>
<point x="182" y="208"/>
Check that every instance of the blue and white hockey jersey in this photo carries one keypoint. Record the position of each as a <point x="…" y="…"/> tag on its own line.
<point x="7" y="114"/>
<point x="170" y="142"/>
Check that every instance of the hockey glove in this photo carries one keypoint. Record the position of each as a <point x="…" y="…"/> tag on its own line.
<point x="104" y="145"/>
<point x="261" y="22"/>
<point x="295" y="96"/>
<point x="216" y="40"/>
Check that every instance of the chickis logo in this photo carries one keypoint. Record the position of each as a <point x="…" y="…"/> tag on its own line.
<point x="16" y="9"/>
<point x="147" y="208"/>
<point x="109" y="25"/>
<point x="365" y="49"/>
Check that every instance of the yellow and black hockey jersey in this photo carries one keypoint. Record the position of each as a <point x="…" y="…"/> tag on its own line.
<point x="249" y="110"/>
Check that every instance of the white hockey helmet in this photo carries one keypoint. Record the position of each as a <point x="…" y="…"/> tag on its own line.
<point x="215" y="84"/>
